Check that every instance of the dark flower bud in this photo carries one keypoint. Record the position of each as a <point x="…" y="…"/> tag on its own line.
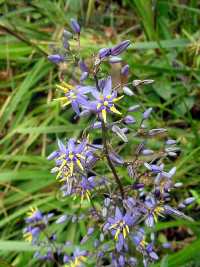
<point x="75" y="26"/>
<point x="56" y="58"/>
<point x="125" y="70"/>
<point x="104" y="52"/>
<point x="138" y="186"/>
<point x="118" y="49"/>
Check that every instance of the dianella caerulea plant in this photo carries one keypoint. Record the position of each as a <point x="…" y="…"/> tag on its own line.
<point x="125" y="195"/>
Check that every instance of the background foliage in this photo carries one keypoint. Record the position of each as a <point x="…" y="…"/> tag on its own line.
<point x="165" y="47"/>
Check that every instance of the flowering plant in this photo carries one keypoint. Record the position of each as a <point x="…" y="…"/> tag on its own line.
<point x="126" y="195"/>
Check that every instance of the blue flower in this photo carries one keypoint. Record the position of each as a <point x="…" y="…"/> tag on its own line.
<point x="74" y="95"/>
<point x="70" y="157"/>
<point x="105" y="100"/>
<point x="119" y="227"/>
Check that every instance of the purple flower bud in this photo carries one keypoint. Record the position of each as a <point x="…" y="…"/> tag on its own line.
<point x="56" y="58"/>
<point x="153" y="255"/>
<point x="129" y="119"/>
<point x="104" y="52"/>
<point x="128" y="91"/>
<point x="53" y="155"/>
<point x="83" y="66"/>
<point x="166" y="245"/>
<point x="181" y="206"/>
<point x="75" y="26"/>
<point x="61" y="219"/>
<point x="90" y="231"/>
<point x="138" y="186"/>
<point x="147" y="113"/>
<point x="170" y="142"/>
<point x="114" y="60"/>
<point x="66" y="258"/>
<point x="116" y="158"/>
<point x="125" y="70"/>
<point x="84" y="76"/>
<point x="118" y="49"/>
<point x="97" y="125"/>
<point x="133" y="108"/>
<point x="189" y="200"/>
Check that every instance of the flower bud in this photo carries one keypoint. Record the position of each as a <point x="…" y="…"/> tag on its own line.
<point x="114" y="60"/>
<point x="84" y="76"/>
<point x="104" y="52"/>
<point x="125" y="70"/>
<point x="56" y="58"/>
<point x="75" y="26"/>
<point x="170" y="142"/>
<point x="147" y="152"/>
<point x="118" y="49"/>
<point x="136" y="82"/>
<point x="177" y="185"/>
<point x="61" y="219"/>
<point x="157" y="131"/>
<point x="127" y="91"/>
<point x="147" y="113"/>
<point x="133" y="108"/>
<point x="129" y="119"/>
<point x="189" y="200"/>
<point x="67" y="34"/>
<point x="120" y="133"/>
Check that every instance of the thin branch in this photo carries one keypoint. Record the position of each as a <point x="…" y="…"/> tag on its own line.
<point x="117" y="179"/>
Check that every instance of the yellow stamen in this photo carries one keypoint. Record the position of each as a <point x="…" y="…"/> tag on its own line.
<point x="71" y="168"/>
<point x="117" y="234"/>
<point x="103" y="112"/>
<point x="79" y="164"/>
<point x="113" y="109"/>
<point x="117" y="98"/>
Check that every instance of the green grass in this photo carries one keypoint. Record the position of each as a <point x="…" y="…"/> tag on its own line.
<point x="165" y="47"/>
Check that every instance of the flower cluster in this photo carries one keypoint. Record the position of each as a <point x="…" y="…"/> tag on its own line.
<point x="128" y="193"/>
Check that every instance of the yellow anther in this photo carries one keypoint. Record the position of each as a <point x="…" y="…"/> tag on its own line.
<point x="113" y="109"/>
<point x="103" y="112"/>
<point x="105" y="103"/>
<point x="79" y="164"/>
<point x="117" y="98"/>
<point x="117" y="234"/>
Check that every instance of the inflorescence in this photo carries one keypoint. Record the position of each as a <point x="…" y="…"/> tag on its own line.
<point x="126" y="195"/>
